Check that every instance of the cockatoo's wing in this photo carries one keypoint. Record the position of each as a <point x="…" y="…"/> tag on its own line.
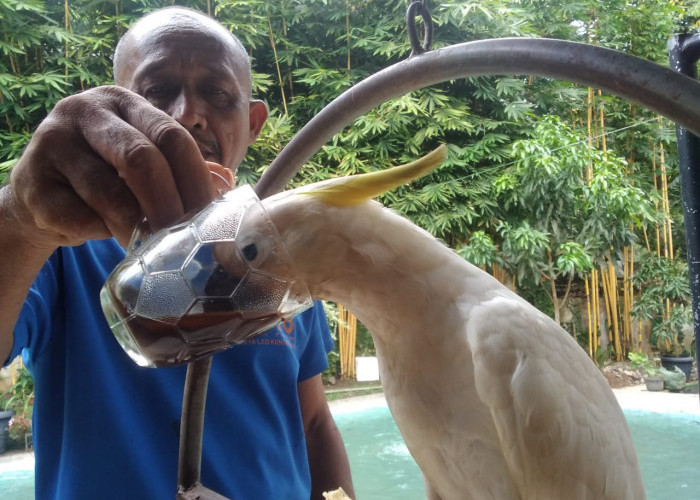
<point x="561" y="430"/>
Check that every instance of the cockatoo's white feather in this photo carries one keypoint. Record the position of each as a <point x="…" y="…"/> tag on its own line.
<point x="493" y="398"/>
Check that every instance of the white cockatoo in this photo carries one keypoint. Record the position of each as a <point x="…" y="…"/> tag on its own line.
<point x="493" y="398"/>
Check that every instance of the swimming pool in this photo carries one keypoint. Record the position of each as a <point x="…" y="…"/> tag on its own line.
<point x="383" y="469"/>
<point x="17" y="478"/>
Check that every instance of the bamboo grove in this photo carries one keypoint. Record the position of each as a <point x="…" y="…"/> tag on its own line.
<point x="564" y="193"/>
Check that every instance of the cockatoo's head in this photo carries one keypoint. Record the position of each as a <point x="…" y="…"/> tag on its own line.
<point x="320" y="223"/>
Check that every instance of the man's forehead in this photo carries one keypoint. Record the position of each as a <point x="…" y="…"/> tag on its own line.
<point x="159" y="49"/>
<point x="198" y="60"/>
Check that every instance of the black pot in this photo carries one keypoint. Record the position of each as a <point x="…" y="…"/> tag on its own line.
<point x="685" y="363"/>
<point x="5" y="417"/>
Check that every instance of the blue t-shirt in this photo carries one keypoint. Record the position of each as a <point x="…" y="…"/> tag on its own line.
<point x="105" y="428"/>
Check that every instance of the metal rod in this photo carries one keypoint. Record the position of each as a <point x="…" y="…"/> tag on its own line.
<point x="660" y="89"/>
<point x="684" y="53"/>
<point x="192" y="425"/>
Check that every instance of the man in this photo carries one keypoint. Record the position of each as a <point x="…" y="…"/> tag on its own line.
<point x="101" y="161"/>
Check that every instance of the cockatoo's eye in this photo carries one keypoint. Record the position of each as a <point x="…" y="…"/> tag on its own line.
<point x="255" y="247"/>
<point x="250" y="251"/>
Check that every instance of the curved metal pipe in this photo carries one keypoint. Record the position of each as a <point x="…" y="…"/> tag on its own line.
<point x="675" y="96"/>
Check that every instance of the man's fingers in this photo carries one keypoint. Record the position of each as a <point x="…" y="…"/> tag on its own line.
<point x="141" y="166"/>
<point x="106" y="194"/>
<point x="189" y="170"/>
<point x="155" y="156"/>
<point x="62" y="227"/>
<point x="101" y="161"/>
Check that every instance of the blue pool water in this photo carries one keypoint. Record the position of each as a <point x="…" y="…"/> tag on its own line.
<point x="667" y="446"/>
<point x="17" y="479"/>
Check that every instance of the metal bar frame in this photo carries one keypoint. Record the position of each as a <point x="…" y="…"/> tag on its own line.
<point x="684" y="53"/>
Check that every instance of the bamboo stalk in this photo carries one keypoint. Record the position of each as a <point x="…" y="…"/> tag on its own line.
<point x="347" y="31"/>
<point x="341" y="339"/>
<point x="656" y="203"/>
<point x="277" y="65"/>
<point x="626" y="303"/>
<point x="347" y="335"/>
<point x="588" y="316"/>
<point x="602" y="127"/>
<point x="66" y="14"/>
<point x="597" y="314"/>
<point x="11" y="57"/>
<point x="592" y="291"/>
<point x="8" y="121"/>
<point x="668" y="235"/>
<point x="116" y="15"/>
<point x="615" y="310"/>
<point x="633" y="343"/>
<point x="606" y="302"/>
<point x="353" y="336"/>
<point x="289" y="67"/>
<point x="632" y="262"/>
<point x="589" y="127"/>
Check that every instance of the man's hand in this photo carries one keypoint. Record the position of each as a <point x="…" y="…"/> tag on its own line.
<point x="99" y="163"/>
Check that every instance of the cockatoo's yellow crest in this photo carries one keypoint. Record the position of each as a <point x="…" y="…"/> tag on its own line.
<point x="354" y="189"/>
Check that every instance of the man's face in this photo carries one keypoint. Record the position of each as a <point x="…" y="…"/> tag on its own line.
<point x="198" y="78"/>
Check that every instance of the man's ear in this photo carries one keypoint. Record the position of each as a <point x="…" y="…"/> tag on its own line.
<point x="257" y="116"/>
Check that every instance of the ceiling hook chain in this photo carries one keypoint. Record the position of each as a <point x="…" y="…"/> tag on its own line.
<point x="415" y="9"/>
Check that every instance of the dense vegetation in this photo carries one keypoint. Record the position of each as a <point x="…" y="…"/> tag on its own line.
<point x="556" y="189"/>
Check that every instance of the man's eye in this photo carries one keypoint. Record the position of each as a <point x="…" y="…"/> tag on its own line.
<point x="220" y="97"/>
<point x="213" y="90"/>
<point x="156" y="91"/>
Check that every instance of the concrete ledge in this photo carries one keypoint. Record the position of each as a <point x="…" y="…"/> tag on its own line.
<point x="630" y="398"/>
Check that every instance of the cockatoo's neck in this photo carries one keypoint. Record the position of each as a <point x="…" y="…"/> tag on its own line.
<point x="379" y="265"/>
<point x="413" y="294"/>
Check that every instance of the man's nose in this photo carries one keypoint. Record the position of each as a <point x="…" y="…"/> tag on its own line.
<point x="188" y="110"/>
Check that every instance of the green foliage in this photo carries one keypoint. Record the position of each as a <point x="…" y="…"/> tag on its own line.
<point x="364" y="345"/>
<point x="481" y="250"/>
<point x="664" y="283"/>
<point x="554" y="224"/>
<point x="20" y="396"/>
<point x="640" y="360"/>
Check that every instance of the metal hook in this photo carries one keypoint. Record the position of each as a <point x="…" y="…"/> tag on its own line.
<point x="419" y="9"/>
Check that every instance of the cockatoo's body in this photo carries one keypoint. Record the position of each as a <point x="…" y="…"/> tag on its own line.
<point x="493" y="398"/>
